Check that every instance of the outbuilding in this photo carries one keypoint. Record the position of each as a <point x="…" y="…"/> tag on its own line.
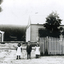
<point x="1" y="36"/>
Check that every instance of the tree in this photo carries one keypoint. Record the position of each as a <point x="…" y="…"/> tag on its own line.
<point x="0" y="9"/>
<point x="52" y="21"/>
<point x="1" y="1"/>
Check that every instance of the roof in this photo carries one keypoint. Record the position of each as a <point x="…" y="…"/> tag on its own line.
<point x="43" y="25"/>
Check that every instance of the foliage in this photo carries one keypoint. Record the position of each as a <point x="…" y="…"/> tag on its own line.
<point x="52" y="21"/>
<point x="1" y="1"/>
<point x="45" y="32"/>
<point x="13" y="33"/>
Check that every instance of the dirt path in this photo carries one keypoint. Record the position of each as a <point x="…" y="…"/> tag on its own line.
<point x="9" y="57"/>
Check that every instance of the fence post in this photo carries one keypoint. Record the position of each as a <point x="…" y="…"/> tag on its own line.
<point x="63" y="45"/>
<point x="41" y="46"/>
<point x="46" y="45"/>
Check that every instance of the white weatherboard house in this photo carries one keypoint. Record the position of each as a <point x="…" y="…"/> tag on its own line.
<point x="33" y="27"/>
<point x="1" y="36"/>
<point x="32" y="32"/>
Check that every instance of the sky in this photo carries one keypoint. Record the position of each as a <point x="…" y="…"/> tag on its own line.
<point x="18" y="12"/>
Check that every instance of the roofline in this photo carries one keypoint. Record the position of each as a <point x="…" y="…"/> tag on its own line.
<point x="42" y="24"/>
<point x="34" y="24"/>
<point x="39" y="25"/>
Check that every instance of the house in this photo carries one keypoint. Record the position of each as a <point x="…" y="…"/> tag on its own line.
<point x="33" y="27"/>
<point x="32" y="32"/>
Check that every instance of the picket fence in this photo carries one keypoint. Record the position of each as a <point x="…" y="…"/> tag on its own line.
<point x="52" y="45"/>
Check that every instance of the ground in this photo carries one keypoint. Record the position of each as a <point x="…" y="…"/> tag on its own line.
<point x="8" y="56"/>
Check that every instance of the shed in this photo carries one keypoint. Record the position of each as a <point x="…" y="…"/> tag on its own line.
<point x="1" y="36"/>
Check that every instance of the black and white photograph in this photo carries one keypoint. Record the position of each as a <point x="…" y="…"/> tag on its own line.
<point x="31" y="31"/>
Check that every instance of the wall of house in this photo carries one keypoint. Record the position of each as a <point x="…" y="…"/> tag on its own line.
<point x="34" y="32"/>
<point x="28" y="34"/>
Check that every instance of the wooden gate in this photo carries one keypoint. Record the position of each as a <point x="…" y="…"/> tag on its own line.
<point x="51" y="46"/>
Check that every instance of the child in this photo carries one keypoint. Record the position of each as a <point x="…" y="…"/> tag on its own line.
<point x="29" y="49"/>
<point x="37" y="51"/>
<point x="19" y="50"/>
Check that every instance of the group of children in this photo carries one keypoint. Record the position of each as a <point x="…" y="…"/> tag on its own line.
<point x="28" y="50"/>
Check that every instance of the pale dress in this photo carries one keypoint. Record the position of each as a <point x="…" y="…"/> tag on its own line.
<point x="37" y="50"/>
<point x="19" y="51"/>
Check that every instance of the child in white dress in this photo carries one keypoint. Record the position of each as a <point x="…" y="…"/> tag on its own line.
<point x="19" y="51"/>
<point x="37" y="51"/>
